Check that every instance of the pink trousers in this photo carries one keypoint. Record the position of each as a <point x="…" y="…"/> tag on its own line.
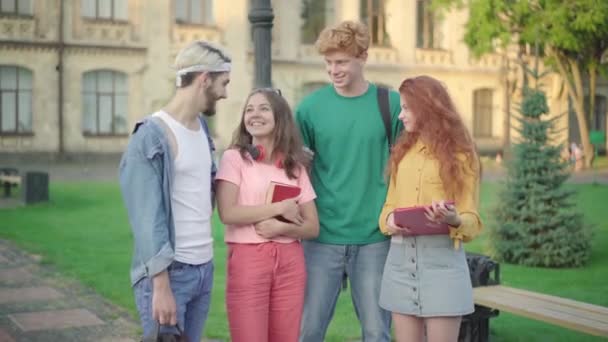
<point x="265" y="291"/>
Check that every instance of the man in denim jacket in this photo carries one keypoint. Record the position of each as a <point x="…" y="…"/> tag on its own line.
<point x="166" y="177"/>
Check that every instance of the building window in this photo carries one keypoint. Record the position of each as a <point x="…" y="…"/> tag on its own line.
<point x="313" y="22"/>
<point x="198" y="12"/>
<point x="15" y="100"/>
<point x="16" y="7"/>
<point x="104" y="102"/>
<point x="105" y="9"/>
<point x="425" y="26"/>
<point x="482" y="113"/>
<point x="374" y="16"/>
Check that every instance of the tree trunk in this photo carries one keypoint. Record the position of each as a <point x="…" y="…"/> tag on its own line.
<point x="592" y="88"/>
<point x="574" y="84"/>
<point x="592" y="113"/>
<point x="506" y="132"/>
<point x="579" y="108"/>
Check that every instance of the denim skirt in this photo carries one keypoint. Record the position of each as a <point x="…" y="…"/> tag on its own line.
<point x="425" y="276"/>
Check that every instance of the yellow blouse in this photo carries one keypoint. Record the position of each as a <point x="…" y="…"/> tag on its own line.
<point x="417" y="182"/>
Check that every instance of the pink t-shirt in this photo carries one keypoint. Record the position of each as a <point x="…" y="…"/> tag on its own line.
<point x="253" y="180"/>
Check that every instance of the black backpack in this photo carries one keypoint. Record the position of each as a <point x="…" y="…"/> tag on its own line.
<point x="385" y="113"/>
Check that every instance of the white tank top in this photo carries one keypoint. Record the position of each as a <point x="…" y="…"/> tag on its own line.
<point x="190" y="196"/>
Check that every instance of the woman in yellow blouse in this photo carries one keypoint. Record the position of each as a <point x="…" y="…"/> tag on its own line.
<point x="426" y="279"/>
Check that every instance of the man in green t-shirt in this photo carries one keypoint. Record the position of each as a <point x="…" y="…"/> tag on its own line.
<point x="342" y="124"/>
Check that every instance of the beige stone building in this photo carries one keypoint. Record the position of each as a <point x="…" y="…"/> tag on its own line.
<point x="75" y="75"/>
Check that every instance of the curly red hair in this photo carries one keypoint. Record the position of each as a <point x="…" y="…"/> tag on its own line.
<point x="440" y="126"/>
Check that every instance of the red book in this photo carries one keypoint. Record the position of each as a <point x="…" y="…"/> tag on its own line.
<point x="279" y="192"/>
<point x="415" y="219"/>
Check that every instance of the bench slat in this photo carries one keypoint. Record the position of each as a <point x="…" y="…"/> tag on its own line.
<point x="588" y="318"/>
<point x="568" y="312"/>
<point x="558" y="318"/>
<point x="559" y="300"/>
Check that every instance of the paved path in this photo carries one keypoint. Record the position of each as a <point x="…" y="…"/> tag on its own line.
<point x="37" y="305"/>
<point x="105" y="168"/>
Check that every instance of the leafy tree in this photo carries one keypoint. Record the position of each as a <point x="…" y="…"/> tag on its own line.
<point x="573" y="35"/>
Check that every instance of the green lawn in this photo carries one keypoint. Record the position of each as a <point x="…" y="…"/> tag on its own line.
<point x="601" y="162"/>
<point x="83" y="232"/>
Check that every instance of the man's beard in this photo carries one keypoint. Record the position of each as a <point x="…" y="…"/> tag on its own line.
<point x="211" y="99"/>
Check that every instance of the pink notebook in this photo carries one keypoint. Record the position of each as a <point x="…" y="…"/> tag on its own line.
<point x="414" y="219"/>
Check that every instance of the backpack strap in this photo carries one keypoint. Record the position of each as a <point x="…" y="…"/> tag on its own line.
<point x="384" y="106"/>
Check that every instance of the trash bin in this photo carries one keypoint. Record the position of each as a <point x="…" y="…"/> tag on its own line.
<point x="476" y="326"/>
<point x="35" y="187"/>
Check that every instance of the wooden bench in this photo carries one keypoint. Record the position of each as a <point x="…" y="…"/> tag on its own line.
<point x="588" y="318"/>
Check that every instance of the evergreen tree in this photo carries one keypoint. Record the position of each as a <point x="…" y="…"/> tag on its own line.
<point x="537" y="223"/>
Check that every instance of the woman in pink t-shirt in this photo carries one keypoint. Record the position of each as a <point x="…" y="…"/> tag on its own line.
<point x="266" y="270"/>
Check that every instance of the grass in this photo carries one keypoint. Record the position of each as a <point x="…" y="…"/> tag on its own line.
<point x="585" y="284"/>
<point x="83" y="232"/>
<point x="601" y="162"/>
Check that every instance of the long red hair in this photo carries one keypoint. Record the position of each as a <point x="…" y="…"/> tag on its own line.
<point x="439" y="125"/>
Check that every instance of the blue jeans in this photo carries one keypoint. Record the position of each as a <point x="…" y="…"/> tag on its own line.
<point x="191" y="286"/>
<point x="325" y="265"/>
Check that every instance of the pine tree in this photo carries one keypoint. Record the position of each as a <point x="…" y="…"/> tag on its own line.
<point x="536" y="221"/>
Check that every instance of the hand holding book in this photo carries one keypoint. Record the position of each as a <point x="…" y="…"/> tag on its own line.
<point x="424" y="220"/>
<point x="443" y="212"/>
<point x="270" y="228"/>
<point x="290" y="211"/>
<point x="285" y="196"/>
<point x="393" y="228"/>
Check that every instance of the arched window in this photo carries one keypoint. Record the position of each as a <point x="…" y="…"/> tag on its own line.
<point x="15" y="100"/>
<point x="425" y="26"/>
<point x="105" y="9"/>
<point x="16" y="7"/>
<point x="373" y="14"/>
<point x="316" y="15"/>
<point x="104" y="102"/>
<point x="197" y="12"/>
<point x="482" y="113"/>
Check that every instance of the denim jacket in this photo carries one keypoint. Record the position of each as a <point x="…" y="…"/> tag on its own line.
<point x="146" y="175"/>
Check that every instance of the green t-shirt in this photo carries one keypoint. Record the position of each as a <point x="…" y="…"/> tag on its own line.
<point x="348" y="138"/>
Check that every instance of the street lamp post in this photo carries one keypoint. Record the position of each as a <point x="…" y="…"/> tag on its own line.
<point x="260" y="17"/>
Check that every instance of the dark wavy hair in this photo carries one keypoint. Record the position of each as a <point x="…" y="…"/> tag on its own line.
<point x="440" y="126"/>
<point x="287" y="140"/>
